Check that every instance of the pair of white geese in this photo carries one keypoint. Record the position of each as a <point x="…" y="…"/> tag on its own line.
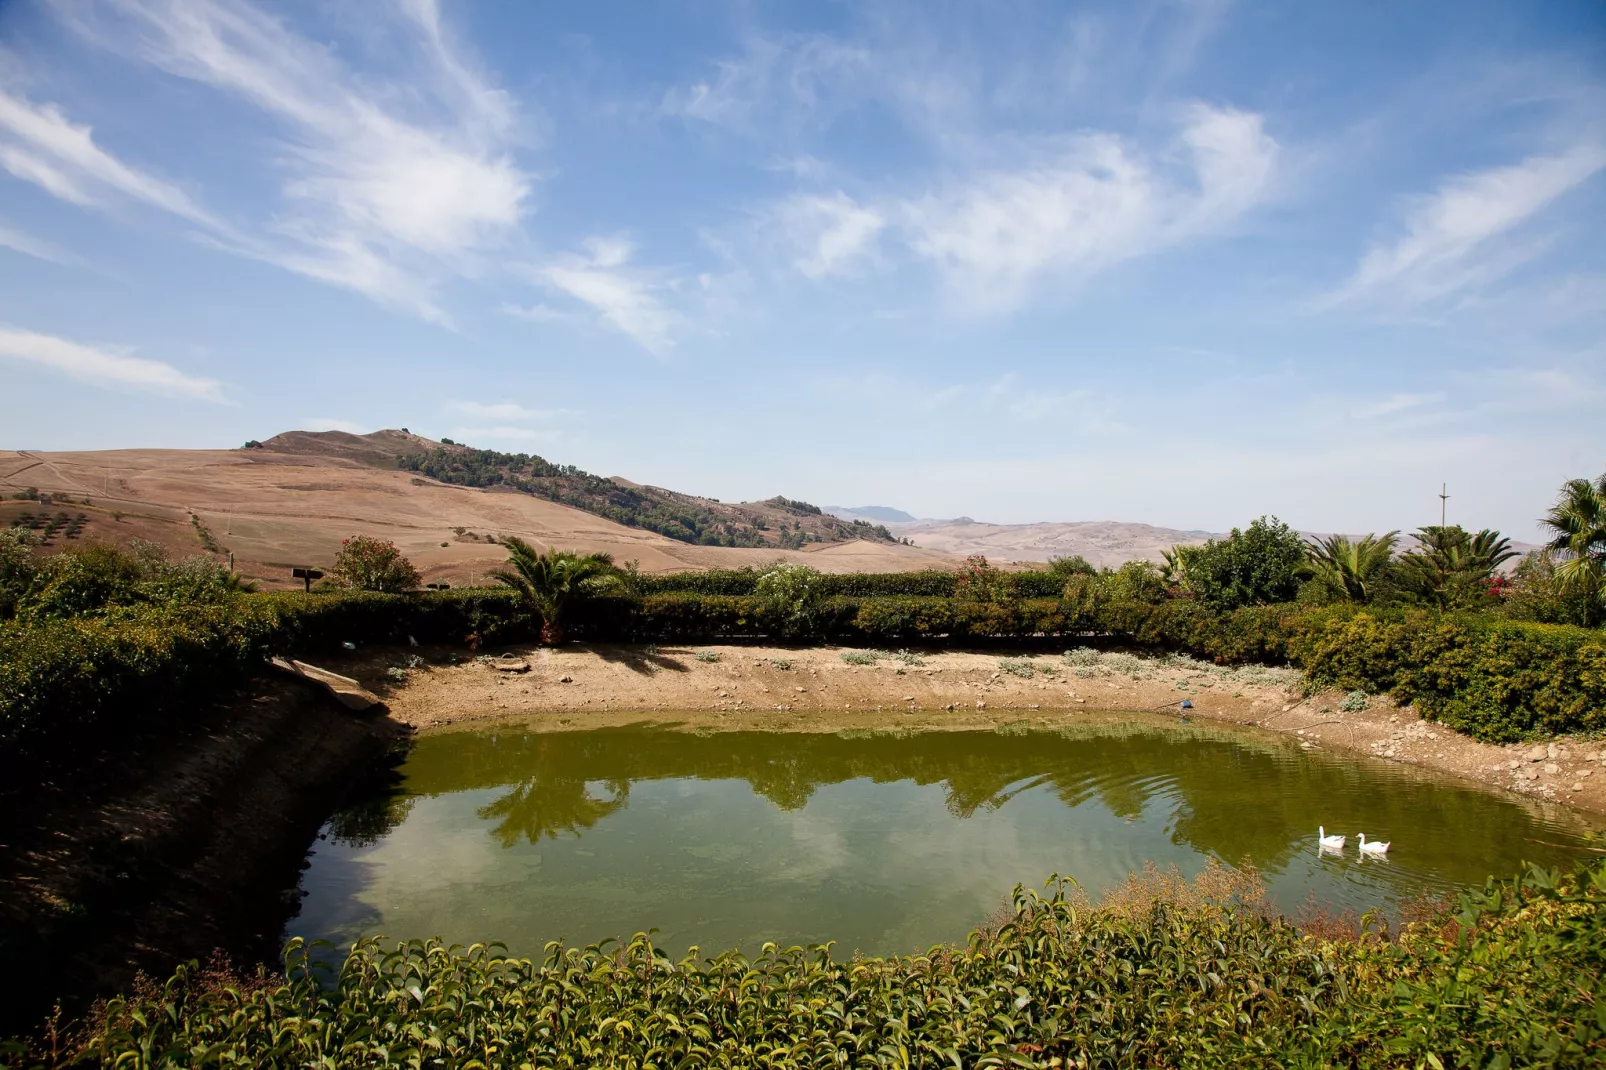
<point x="1335" y="842"/>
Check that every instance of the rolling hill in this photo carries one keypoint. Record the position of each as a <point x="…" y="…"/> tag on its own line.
<point x="290" y="500"/>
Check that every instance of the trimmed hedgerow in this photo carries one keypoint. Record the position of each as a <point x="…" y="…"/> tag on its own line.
<point x="930" y="583"/>
<point x="1494" y="679"/>
<point x="118" y="671"/>
<point x="1514" y="979"/>
<point x="69" y="683"/>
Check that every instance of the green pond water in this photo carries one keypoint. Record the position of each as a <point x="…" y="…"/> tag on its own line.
<point x="881" y="842"/>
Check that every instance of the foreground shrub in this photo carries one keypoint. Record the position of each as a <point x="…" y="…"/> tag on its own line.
<point x="69" y="684"/>
<point x="1199" y="979"/>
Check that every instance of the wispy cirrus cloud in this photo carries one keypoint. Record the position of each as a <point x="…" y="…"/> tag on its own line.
<point x="39" y="144"/>
<point x="625" y="297"/>
<point x="104" y="367"/>
<point x="1394" y="404"/>
<point x="388" y="188"/>
<point x="505" y="410"/>
<point x="1064" y="208"/>
<point x="1452" y="237"/>
<point x="1086" y="205"/>
<point x="28" y="245"/>
<point x="826" y="234"/>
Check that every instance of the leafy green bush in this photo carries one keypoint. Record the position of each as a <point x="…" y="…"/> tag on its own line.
<point x="1514" y="979"/>
<point x="68" y="684"/>
<point x="1257" y="566"/>
<point x="789" y="595"/>
<point x="1537" y="593"/>
<point x="1496" y="680"/>
<point x="861" y="657"/>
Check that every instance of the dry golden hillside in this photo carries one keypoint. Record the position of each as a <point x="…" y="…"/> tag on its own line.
<point x="292" y="502"/>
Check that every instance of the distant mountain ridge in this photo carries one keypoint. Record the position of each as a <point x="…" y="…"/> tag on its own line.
<point x="883" y="513"/>
<point x="1102" y="542"/>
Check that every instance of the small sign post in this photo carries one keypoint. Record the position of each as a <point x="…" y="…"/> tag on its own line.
<point x="306" y="576"/>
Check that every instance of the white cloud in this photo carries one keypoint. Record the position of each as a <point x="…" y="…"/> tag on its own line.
<point x="100" y="367"/>
<point x="1094" y="202"/>
<point x="1395" y="403"/>
<point x="826" y="235"/>
<point x="326" y="423"/>
<point x="42" y="146"/>
<point x="389" y="188"/>
<point x="625" y="297"/>
<point x="17" y="241"/>
<point x="536" y="313"/>
<point x="505" y="410"/>
<point x="1449" y="245"/>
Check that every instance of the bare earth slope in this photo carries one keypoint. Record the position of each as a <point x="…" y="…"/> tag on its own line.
<point x="293" y="502"/>
<point x="1103" y="542"/>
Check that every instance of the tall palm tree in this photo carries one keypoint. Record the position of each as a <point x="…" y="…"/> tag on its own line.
<point x="1578" y="524"/>
<point x="553" y="582"/>
<point x="1349" y="571"/>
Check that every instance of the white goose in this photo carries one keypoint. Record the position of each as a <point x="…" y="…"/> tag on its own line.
<point x="1335" y="842"/>
<point x="1376" y="847"/>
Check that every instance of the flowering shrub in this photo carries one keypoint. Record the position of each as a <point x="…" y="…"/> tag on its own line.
<point x="370" y="564"/>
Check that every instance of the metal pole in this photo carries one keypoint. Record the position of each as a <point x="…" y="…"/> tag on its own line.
<point x="1443" y="499"/>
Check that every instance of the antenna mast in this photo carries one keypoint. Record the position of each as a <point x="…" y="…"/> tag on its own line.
<point x="1443" y="499"/>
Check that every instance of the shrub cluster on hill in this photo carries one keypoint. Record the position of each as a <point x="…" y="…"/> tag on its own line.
<point x="1513" y="978"/>
<point x="676" y="516"/>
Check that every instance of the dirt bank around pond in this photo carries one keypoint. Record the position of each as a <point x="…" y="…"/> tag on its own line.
<point x="766" y="688"/>
<point x="175" y="847"/>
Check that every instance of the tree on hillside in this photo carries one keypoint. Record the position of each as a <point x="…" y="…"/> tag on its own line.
<point x="554" y="582"/>
<point x="1351" y="571"/>
<point x="1578" y="524"/>
<point x="370" y="564"/>
<point x="1256" y="566"/>
<point x="1451" y="568"/>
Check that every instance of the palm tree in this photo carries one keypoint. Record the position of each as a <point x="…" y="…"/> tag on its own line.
<point x="1578" y="521"/>
<point x="1451" y="566"/>
<point x="1174" y="565"/>
<point x="1350" y="571"/>
<point x="554" y="581"/>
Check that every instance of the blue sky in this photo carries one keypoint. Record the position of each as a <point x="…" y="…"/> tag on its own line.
<point x="1181" y="263"/>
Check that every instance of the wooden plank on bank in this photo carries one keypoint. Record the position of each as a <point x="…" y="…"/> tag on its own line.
<point x="348" y="692"/>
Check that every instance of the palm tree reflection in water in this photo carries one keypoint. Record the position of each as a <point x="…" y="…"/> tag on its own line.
<point x="547" y="804"/>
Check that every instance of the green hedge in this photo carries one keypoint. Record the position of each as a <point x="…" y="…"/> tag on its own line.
<point x="1497" y="680"/>
<point x="1516" y="979"/>
<point x="66" y="685"/>
<point x="1493" y="679"/>
<point x="930" y="583"/>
